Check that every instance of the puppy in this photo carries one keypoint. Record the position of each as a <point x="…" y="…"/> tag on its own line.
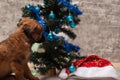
<point x="15" y="51"/>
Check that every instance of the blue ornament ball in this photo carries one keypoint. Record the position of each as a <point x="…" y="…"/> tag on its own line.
<point x="51" y="15"/>
<point x="56" y="30"/>
<point x="50" y="36"/>
<point x="72" y="25"/>
<point x="69" y="18"/>
<point x="72" y="68"/>
<point x="28" y="6"/>
<point x="76" y="6"/>
<point x="37" y="8"/>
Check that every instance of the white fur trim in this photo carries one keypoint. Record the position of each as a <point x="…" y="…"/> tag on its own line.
<point x="93" y="72"/>
<point x="63" y="74"/>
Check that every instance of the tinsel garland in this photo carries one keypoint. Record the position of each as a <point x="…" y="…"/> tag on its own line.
<point x="70" y="6"/>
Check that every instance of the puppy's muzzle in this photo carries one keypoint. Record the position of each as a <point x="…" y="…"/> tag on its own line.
<point x="42" y="39"/>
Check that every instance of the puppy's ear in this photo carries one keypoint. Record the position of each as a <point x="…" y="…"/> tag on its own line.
<point x="27" y="30"/>
<point x="19" y="23"/>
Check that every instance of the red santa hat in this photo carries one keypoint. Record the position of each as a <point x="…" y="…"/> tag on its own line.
<point x="91" y="67"/>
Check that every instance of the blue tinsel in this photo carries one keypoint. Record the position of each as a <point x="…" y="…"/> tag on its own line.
<point x="38" y="17"/>
<point x="70" y="6"/>
<point x="68" y="46"/>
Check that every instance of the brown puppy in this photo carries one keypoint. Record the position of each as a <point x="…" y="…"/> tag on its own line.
<point x="15" y="51"/>
<point x="9" y="77"/>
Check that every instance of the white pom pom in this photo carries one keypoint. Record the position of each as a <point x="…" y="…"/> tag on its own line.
<point x="63" y="74"/>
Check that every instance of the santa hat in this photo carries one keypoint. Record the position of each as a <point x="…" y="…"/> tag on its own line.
<point x="91" y="67"/>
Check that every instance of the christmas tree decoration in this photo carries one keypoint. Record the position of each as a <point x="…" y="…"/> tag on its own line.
<point x="57" y="30"/>
<point x="38" y="17"/>
<point x="37" y="8"/>
<point x="70" y="47"/>
<point x="35" y="47"/>
<point x="72" y="24"/>
<point x="44" y="1"/>
<point x="72" y="68"/>
<point x="28" y="6"/>
<point x="69" y="18"/>
<point x="70" y="6"/>
<point x="68" y="32"/>
<point x="50" y="36"/>
<point x="52" y="15"/>
<point x="34" y="72"/>
<point x="76" y="6"/>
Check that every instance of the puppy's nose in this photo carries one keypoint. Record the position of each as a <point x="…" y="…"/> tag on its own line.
<point x="42" y="39"/>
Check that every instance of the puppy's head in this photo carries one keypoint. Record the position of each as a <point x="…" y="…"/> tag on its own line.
<point x="32" y="29"/>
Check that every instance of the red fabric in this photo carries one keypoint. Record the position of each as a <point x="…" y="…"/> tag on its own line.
<point x="67" y="71"/>
<point x="90" y="61"/>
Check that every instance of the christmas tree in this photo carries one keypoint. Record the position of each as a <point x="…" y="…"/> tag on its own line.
<point x="53" y="15"/>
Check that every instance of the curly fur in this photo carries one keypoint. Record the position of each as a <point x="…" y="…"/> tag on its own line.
<point x="15" y="51"/>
